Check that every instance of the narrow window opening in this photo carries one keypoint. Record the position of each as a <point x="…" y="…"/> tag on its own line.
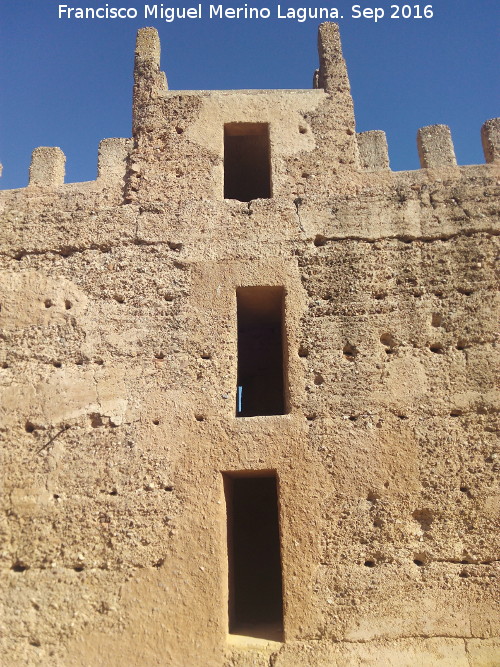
<point x="255" y="579"/>
<point x="260" y="389"/>
<point x="247" y="162"/>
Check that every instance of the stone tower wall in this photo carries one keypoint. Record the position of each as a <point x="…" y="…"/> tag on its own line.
<point x="119" y="380"/>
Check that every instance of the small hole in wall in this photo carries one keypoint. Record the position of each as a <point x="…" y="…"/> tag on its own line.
<point x="437" y="348"/>
<point x="19" y="567"/>
<point x="95" y="420"/>
<point x="78" y="568"/>
<point x="160" y="355"/>
<point x="68" y="305"/>
<point x="380" y="296"/>
<point x="461" y="345"/>
<point x="113" y="492"/>
<point x="418" y="562"/>
<point x="320" y="240"/>
<point x="302" y="129"/>
<point x="353" y="418"/>
<point x="311" y="417"/>
<point x="119" y="298"/>
<point x="199" y="418"/>
<point x="388" y="339"/>
<point x="455" y="413"/>
<point x="5" y="364"/>
<point x="369" y="563"/>
<point x="206" y="355"/>
<point x="29" y="427"/>
<point x="318" y="379"/>
<point x="169" y="297"/>
<point x="436" y="319"/>
<point x="464" y="574"/>
<point x="56" y="496"/>
<point x="350" y="352"/>
<point x="303" y="352"/>
<point x="179" y="130"/>
<point x="466" y="292"/>
<point x="386" y="485"/>
<point x="156" y="422"/>
<point x="99" y="362"/>
<point x="48" y="303"/>
<point x="57" y="364"/>
<point x="464" y="489"/>
<point x="168" y="488"/>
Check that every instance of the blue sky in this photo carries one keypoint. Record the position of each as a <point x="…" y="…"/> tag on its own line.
<point x="68" y="83"/>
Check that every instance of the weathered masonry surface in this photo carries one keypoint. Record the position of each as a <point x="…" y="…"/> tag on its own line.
<point x="204" y="358"/>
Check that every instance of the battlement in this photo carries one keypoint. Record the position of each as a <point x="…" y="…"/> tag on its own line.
<point x="185" y="130"/>
<point x="434" y="143"/>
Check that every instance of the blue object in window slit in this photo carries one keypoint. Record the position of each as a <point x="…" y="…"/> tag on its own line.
<point x="239" y="395"/>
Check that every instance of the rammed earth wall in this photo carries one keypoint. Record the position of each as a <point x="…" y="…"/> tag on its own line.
<point x="119" y="370"/>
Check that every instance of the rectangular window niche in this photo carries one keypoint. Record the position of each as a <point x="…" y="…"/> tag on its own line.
<point x="261" y="368"/>
<point x="247" y="161"/>
<point x="254" y="557"/>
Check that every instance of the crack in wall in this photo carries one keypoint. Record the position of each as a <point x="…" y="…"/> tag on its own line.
<point x="68" y="251"/>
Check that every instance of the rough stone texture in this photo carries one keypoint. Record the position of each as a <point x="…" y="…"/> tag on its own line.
<point x="118" y="372"/>
<point x="373" y="151"/>
<point x="435" y="147"/>
<point x="490" y="134"/>
<point x="112" y="159"/>
<point x="47" y="166"/>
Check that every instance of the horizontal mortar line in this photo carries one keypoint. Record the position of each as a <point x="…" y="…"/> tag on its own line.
<point x="408" y="237"/>
<point x="385" y="639"/>
<point x="460" y="562"/>
<point x="104" y="247"/>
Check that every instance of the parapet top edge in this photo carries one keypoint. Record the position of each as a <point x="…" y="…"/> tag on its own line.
<point x="246" y="91"/>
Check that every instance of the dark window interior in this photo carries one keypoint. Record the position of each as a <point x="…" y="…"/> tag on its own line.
<point x="247" y="164"/>
<point x="255" y="586"/>
<point x="260" y="351"/>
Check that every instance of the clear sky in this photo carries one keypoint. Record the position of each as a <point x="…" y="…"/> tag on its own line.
<point x="68" y="82"/>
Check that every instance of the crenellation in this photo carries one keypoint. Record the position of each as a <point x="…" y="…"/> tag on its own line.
<point x="147" y="49"/>
<point x="373" y="150"/>
<point x="150" y="83"/>
<point x="490" y="136"/>
<point x="332" y="76"/>
<point x="435" y="147"/>
<point x="47" y="166"/>
<point x="112" y="159"/>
